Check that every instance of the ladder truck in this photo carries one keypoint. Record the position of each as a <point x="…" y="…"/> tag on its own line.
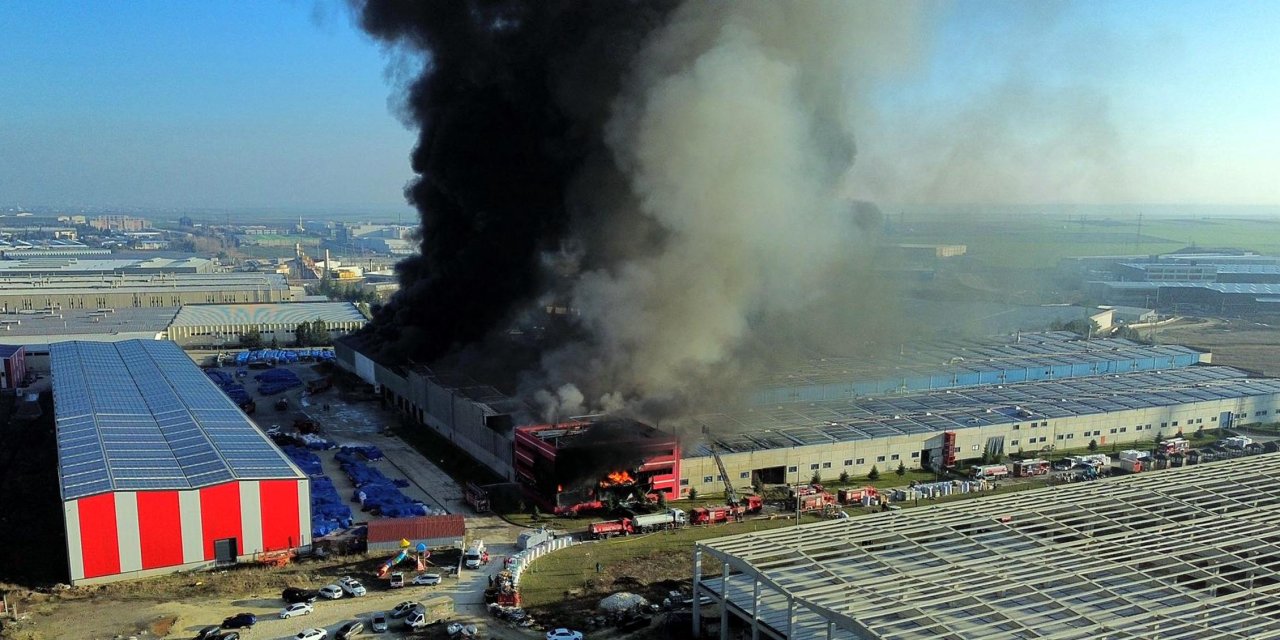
<point x="730" y="496"/>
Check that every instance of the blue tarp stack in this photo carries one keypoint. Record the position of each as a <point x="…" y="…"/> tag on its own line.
<point x="375" y="491"/>
<point x="275" y="381"/>
<point x="328" y="512"/>
<point x="229" y="386"/>
<point x="283" y="356"/>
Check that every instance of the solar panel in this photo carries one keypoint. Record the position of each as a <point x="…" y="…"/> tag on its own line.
<point x="150" y="419"/>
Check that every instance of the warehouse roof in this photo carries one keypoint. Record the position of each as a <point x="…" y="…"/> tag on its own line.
<point x="76" y="284"/>
<point x="945" y="360"/>
<point x="213" y="315"/>
<point x="66" y="265"/>
<point x="141" y="415"/>
<point x="1183" y="554"/>
<point x="797" y="424"/>
<point x="43" y="325"/>
<point x="1248" y="288"/>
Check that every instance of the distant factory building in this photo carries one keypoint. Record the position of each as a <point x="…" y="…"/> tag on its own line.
<point x="1131" y="315"/>
<point x="77" y="266"/>
<point x="45" y="293"/>
<point x="218" y="325"/>
<point x="159" y="471"/>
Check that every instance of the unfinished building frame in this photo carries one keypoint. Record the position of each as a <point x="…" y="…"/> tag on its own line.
<point x="1189" y="553"/>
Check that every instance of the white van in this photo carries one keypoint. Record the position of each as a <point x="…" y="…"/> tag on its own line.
<point x="474" y="555"/>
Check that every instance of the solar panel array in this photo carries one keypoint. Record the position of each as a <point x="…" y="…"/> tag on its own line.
<point x="797" y="424"/>
<point x="1032" y="350"/>
<point x="139" y="415"/>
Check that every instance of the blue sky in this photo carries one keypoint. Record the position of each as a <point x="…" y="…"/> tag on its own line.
<point x="285" y="105"/>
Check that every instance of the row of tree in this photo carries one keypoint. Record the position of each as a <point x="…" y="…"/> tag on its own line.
<point x="307" y="334"/>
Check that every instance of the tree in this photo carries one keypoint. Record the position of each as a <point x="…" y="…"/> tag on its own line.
<point x="902" y="469"/>
<point x="302" y="334"/>
<point x="844" y="477"/>
<point x="319" y="332"/>
<point x="1199" y="434"/>
<point x="1159" y="437"/>
<point x="662" y="500"/>
<point x="275" y="342"/>
<point x="874" y="474"/>
<point x="1093" y="445"/>
<point x="536" y="513"/>
<point x="816" y="479"/>
<point x="693" y="493"/>
<point x="251" y="339"/>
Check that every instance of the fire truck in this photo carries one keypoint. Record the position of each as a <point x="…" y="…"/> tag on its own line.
<point x="858" y="496"/>
<point x="643" y="523"/>
<point x="728" y="512"/>
<point x="1032" y="467"/>
<point x="990" y="472"/>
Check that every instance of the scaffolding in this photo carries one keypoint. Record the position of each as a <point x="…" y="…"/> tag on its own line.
<point x="1182" y="554"/>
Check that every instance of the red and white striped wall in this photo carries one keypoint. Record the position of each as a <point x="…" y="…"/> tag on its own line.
<point x="125" y="533"/>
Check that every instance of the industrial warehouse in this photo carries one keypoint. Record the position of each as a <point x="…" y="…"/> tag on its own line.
<point x="927" y="408"/>
<point x="1185" y="554"/>
<point x="158" y="469"/>
<point x="217" y="325"/>
<point x="33" y="294"/>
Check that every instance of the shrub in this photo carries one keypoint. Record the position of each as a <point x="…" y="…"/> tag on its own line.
<point x="874" y="474"/>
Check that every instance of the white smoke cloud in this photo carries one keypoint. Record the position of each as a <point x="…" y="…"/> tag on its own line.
<point x="736" y="134"/>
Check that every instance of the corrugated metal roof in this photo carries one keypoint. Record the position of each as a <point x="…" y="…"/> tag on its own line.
<point x="212" y="315"/>
<point x="451" y="527"/>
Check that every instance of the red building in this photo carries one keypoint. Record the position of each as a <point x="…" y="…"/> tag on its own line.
<point x="578" y="466"/>
<point x="13" y="366"/>
<point x="159" y="470"/>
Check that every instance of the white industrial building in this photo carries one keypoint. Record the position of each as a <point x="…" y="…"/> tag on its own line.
<point x="218" y="325"/>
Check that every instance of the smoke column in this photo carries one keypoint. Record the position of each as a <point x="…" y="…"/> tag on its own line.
<point x="689" y="161"/>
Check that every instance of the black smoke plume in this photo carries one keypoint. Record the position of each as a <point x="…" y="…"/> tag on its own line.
<point x="510" y="105"/>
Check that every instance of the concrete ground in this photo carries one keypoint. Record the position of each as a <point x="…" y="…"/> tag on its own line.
<point x="349" y="421"/>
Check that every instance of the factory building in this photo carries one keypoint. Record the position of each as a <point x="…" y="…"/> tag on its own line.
<point x="158" y="469"/>
<point x="476" y="417"/>
<point x="32" y="294"/>
<point x="216" y="325"/>
<point x="924" y="407"/>
<point x="71" y="266"/>
<point x="577" y="465"/>
<point x="789" y="443"/>
<point x="1186" y="554"/>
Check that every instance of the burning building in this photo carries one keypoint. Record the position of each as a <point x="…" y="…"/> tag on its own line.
<point x="575" y="466"/>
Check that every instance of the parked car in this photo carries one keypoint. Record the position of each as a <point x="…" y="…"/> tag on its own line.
<point x="349" y="630"/>
<point x="332" y="592"/>
<point x="312" y="634"/>
<point x="297" y="609"/>
<point x="403" y="609"/>
<point x="427" y="579"/>
<point x="240" y="621"/>
<point x="294" y="594"/>
<point x="208" y="633"/>
<point x="352" y="586"/>
<point x="564" y="634"/>
<point x="378" y="622"/>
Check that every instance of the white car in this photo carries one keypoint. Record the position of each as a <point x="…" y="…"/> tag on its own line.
<point x="427" y="579"/>
<point x="332" y="592"/>
<point x="564" y="634"/>
<point x="296" y="609"/>
<point x="312" y="634"/>
<point x="352" y="587"/>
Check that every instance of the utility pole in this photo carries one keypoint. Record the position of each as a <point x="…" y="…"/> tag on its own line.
<point x="1137" y="238"/>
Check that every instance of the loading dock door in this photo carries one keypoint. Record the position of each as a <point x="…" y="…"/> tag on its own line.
<point x="1224" y="419"/>
<point x="225" y="551"/>
<point x="769" y="475"/>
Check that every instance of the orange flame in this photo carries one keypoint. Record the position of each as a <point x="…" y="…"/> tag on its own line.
<point x="616" y="478"/>
<point x="559" y="488"/>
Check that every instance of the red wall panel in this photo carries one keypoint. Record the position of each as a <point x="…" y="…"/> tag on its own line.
<point x="99" y="539"/>
<point x="279" y="500"/>
<point x="220" y="516"/>
<point x="159" y="528"/>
